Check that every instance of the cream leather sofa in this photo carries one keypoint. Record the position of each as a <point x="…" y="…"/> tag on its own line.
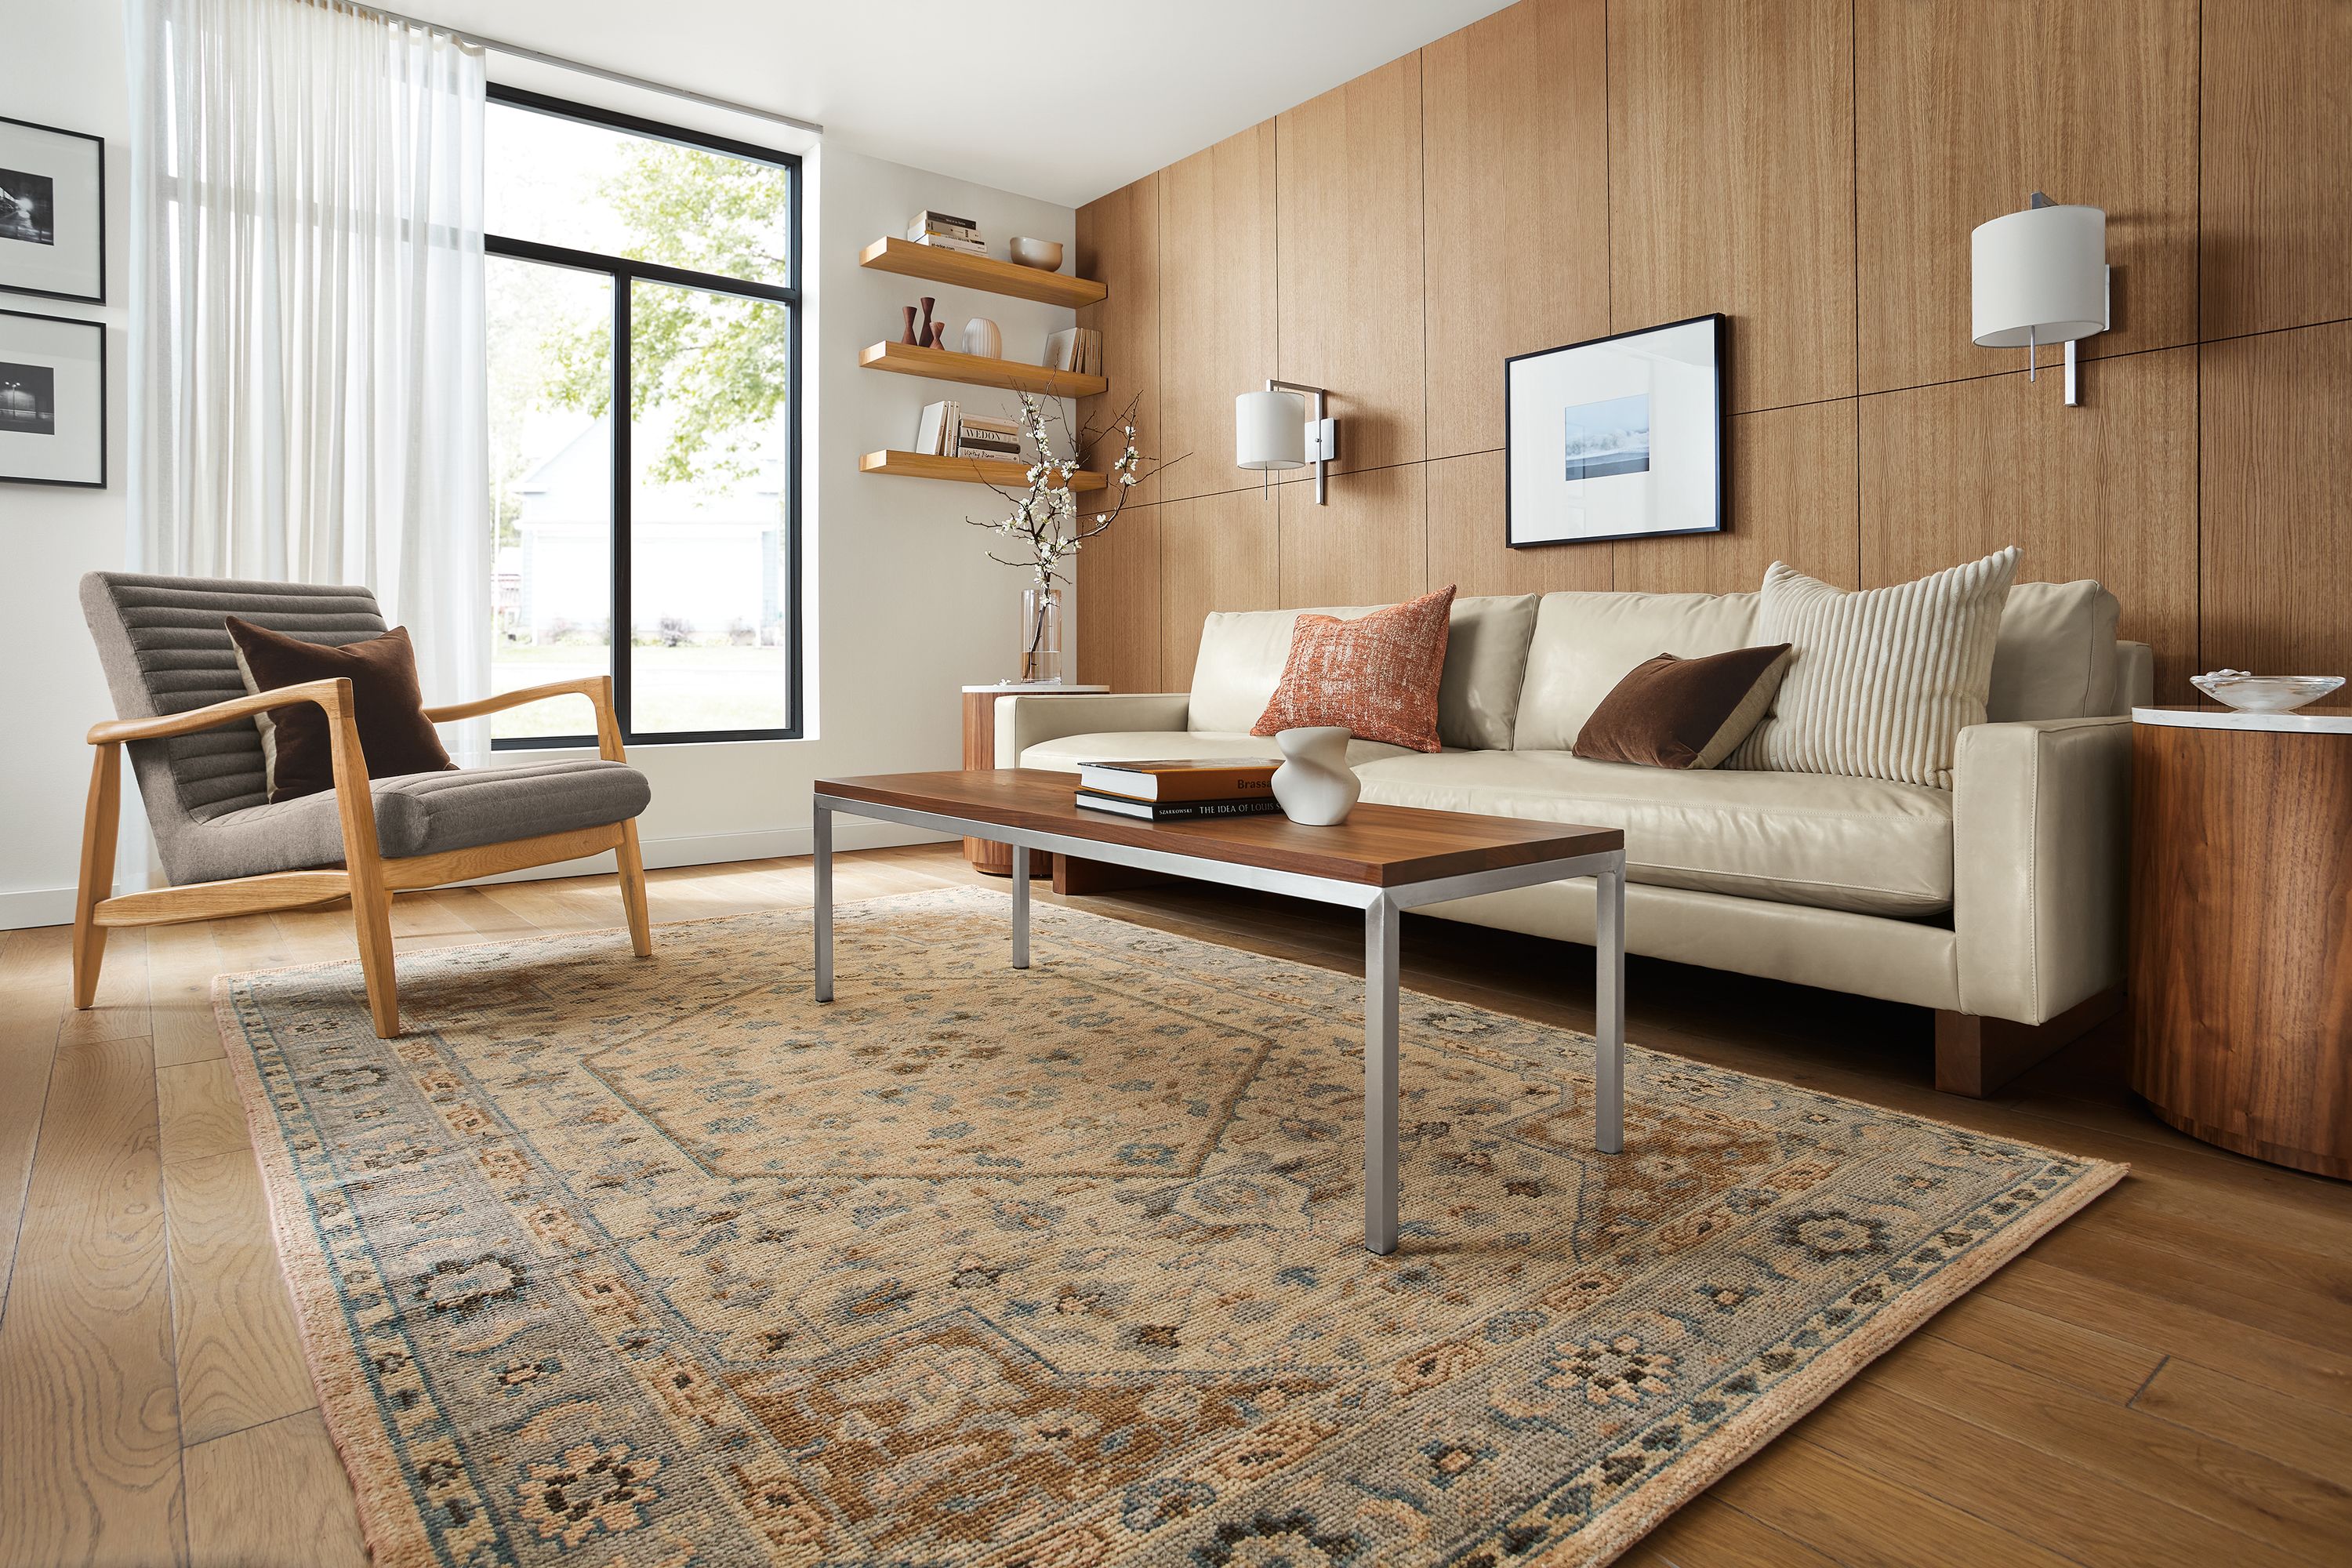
<point x="1999" y="902"/>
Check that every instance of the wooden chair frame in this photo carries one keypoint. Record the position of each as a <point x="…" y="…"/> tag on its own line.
<point x="367" y="879"/>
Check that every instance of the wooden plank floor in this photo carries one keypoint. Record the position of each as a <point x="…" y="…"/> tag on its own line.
<point x="2166" y="1380"/>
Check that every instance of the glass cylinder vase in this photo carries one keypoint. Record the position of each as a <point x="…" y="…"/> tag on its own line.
<point x="1041" y="635"/>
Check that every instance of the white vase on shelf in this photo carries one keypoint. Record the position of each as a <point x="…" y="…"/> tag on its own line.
<point x="981" y="337"/>
<point x="1315" y="785"/>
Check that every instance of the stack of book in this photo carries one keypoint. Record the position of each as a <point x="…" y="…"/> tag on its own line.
<point x="948" y="233"/>
<point x="945" y="430"/>
<point x="1180" y="790"/>
<point x="1075" y="349"/>
<point x="979" y="436"/>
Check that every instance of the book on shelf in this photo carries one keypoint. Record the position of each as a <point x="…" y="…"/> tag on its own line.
<point x="1075" y="348"/>
<point x="1176" y="811"/>
<point x="991" y="422"/>
<point x="943" y="242"/>
<point x="933" y="428"/>
<point x="931" y="217"/>
<point x="1182" y="779"/>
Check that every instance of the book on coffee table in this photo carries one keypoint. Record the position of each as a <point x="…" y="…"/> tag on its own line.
<point x="1182" y="779"/>
<point x="1177" y="810"/>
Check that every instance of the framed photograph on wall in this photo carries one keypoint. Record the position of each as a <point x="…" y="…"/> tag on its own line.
<point x="52" y="401"/>
<point x="1621" y="438"/>
<point x="52" y="212"/>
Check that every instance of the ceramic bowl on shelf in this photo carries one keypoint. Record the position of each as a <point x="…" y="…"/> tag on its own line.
<point x="2264" y="693"/>
<point x="1045" y="255"/>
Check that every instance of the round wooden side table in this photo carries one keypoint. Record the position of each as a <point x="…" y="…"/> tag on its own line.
<point x="2242" y="930"/>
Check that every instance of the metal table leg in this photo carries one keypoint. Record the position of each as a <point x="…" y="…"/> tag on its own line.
<point x="1020" y="906"/>
<point x="1609" y="1008"/>
<point x="820" y="835"/>
<point x="1382" y="922"/>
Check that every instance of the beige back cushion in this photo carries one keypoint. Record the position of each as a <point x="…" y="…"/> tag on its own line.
<point x="1243" y="652"/>
<point x="2055" y="656"/>
<point x="1586" y="643"/>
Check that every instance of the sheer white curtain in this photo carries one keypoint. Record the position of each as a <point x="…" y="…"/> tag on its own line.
<point x="307" y="321"/>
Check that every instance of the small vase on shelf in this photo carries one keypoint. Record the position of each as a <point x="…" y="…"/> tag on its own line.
<point x="1041" y="635"/>
<point x="908" y="335"/>
<point x="1315" y="785"/>
<point x="923" y="337"/>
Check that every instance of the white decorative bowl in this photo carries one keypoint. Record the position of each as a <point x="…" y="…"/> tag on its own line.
<point x="1045" y="255"/>
<point x="2264" y="693"/>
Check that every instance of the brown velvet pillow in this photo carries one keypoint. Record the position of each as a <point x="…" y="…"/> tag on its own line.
<point x="1673" y="713"/>
<point x="385" y="701"/>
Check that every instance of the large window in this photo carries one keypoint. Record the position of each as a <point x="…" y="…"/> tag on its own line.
<point x="644" y="303"/>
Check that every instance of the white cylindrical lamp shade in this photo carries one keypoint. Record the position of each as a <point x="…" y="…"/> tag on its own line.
<point x="1270" y="430"/>
<point x="2039" y="276"/>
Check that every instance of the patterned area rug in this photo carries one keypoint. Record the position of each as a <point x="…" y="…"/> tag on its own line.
<point x="659" y="1262"/>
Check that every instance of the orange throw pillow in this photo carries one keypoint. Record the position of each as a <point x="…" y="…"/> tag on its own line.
<point x="1376" y="675"/>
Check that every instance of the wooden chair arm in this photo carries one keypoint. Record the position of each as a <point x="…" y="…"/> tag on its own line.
<point x="335" y="696"/>
<point x="597" y="688"/>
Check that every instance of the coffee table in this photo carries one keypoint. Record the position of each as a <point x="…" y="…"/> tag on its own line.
<point x="1384" y="859"/>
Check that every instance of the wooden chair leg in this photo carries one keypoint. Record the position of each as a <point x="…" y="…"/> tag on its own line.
<point x="363" y="860"/>
<point x="633" y="891"/>
<point x="99" y="819"/>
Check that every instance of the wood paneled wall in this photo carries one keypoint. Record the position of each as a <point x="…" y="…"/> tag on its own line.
<point x="1566" y="169"/>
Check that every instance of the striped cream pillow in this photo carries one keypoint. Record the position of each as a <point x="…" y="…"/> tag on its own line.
<point x="1884" y="679"/>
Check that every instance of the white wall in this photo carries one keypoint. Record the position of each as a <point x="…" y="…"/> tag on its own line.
<point x="902" y="605"/>
<point x="66" y="69"/>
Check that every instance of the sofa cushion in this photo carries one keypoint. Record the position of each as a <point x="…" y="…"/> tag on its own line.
<point x="2056" y="656"/>
<point x="416" y="814"/>
<point x="1065" y="755"/>
<point x="1884" y="679"/>
<point x="1863" y="845"/>
<point x="1584" y="644"/>
<point x="1243" y="653"/>
<point x="1375" y="675"/>
<point x="1677" y="712"/>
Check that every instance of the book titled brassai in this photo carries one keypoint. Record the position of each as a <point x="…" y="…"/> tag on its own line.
<point x="1178" y="788"/>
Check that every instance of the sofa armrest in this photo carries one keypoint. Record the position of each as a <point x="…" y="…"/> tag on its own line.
<point x="2042" y="846"/>
<point x="1032" y="718"/>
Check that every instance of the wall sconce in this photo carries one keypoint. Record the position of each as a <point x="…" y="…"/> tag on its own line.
<point x="2041" y="277"/>
<point x="1271" y="430"/>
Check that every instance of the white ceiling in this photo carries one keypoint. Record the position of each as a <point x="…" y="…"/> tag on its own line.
<point x="1051" y="99"/>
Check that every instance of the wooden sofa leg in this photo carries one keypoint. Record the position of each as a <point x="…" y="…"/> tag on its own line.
<point x="633" y="891"/>
<point x="1975" y="1056"/>
<point x="100" y="818"/>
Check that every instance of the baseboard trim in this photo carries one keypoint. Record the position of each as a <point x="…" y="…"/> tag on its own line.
<point x="25" y="907"/>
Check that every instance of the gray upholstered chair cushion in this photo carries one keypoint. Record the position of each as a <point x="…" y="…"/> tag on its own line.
<point x="415" y="814"/>
<point x="163" y="643"/>
<point x="165" y="647"/>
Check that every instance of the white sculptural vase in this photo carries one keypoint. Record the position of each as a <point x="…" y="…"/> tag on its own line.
<point x="1315" y="785"/>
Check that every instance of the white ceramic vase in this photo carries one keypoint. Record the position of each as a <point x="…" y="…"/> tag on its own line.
<point x="981" y="337"/>
<point x="1315" y="785"/>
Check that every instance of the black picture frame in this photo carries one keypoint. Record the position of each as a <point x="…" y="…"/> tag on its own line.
<point x="96" y="207"/>
<point x="98" y="330"/>
<point x="1717" y="425"/>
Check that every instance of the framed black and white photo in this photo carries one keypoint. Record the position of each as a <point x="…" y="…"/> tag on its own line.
<point x="52" y="401"/>
<point x="1621" y="438"/>
<point x="52" y="212"/>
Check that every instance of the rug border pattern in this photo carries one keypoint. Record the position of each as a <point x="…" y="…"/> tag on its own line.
<point x="398" y="1534"/>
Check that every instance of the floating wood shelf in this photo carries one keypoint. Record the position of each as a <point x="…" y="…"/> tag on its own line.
<point x="965" y="270"/>
<point x="1003" y="472"/>
<point x="945" y="364"/>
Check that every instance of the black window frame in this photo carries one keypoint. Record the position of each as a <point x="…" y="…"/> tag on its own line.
<point x="623" y="272"/>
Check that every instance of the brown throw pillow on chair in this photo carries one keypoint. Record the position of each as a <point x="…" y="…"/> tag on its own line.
<point x="1674" y="712"/>
<point x="386" y="703"/>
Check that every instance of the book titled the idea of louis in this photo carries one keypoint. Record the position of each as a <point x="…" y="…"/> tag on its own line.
<point x="1175" y="811"/>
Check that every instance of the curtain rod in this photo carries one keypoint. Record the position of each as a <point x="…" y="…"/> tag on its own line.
<point x="538" y="57"/>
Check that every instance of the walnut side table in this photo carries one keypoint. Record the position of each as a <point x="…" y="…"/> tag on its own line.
<point x="979" y="752"/>
<point x="2242" y="930"/>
